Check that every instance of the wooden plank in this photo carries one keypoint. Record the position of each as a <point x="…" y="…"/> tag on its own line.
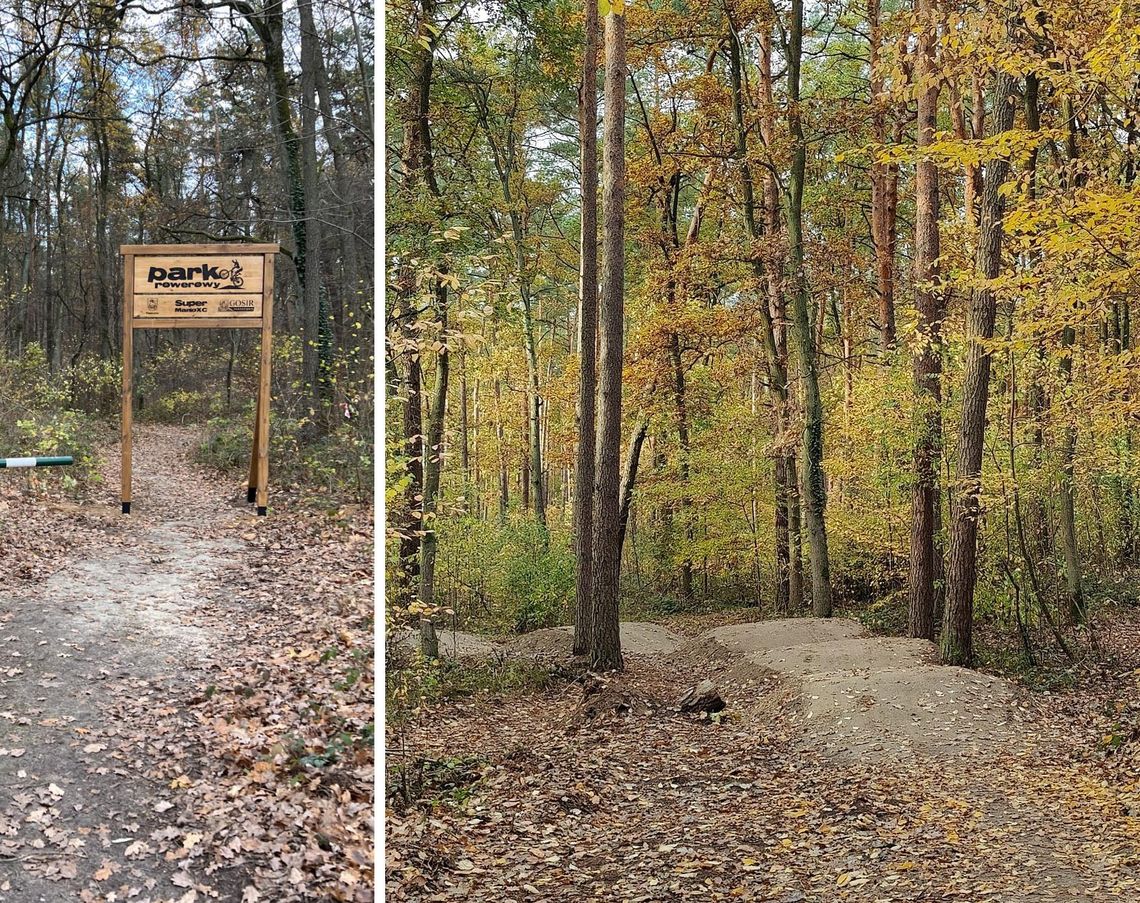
<point x="263" y="391"/>
<point x="198" y="273"/>
<point x="198" y="323"/>
<point x="223" y="248"/>
<point x="194" y="305"/>
<point x="128" y="366"/>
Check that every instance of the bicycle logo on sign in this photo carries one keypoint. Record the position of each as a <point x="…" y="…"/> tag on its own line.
<point x="234" y="275"/>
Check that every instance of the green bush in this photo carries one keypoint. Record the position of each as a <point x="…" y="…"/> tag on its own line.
<point x="537" y="582"/>
<point x="504" y="578"/>
<point x="95" y="385"/>
<point x="37" y="418"/>
<point x="228" y="443"/>
<point x="338" y="464"/>
<point x="179" y="406"/>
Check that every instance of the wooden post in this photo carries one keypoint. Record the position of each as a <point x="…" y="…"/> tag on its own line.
<point x="128" y="366"/>
<point x="261" y="430"/>
<point x="251" y="492"/>
<point x="201" y="287"/>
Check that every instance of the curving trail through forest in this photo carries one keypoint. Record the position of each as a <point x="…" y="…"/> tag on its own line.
<point x="847" y="767"/>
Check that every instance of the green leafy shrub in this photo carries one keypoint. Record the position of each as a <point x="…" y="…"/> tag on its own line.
<point x="179" y="406"/>
<point x="228" y="443"/>
<point x="329" y="453"/>
<point x="504" y="578"/>
<point x="38" y="418"/>
<point x="95" y="385"/>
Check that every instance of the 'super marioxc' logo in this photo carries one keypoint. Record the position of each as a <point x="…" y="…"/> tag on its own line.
<point x="206" y="276"/>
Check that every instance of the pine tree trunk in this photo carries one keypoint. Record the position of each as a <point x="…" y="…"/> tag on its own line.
<point x="587" y="338"/>
<point x="957" y="634"/>
<point x="605" y="653"/>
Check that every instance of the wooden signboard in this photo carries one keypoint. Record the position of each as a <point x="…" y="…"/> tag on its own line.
<point x="226" y="286"/>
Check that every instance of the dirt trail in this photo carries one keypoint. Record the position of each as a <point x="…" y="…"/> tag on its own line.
<point x="81" y="813"/>
<point x="882" y="697"/>
<point x="641" y="638"/>
<point x="847" y="768"/>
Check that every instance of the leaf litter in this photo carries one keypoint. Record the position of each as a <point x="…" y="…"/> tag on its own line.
<point x="643" y="803"/>
<point x="187" y="700"/>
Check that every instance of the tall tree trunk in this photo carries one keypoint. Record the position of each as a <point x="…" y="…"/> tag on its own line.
<point x="681" y="415"/>
<point x="884" y="190"/>
<point x="973" y="170"/>
<point x="788" y="492"/>
<point x="344" y="188"/>
<point x="629" y="476"/>
<point x="1040" y="528"/>
<point x="767" y="283"/>
<point x="269" y="27"/>
<point x="420" y="163"/>
<point x="317" y="349"/>
<point x="1068" y="501"/>
<point x="957" y="634"/>
<point x="433" y="465"/>
<point x="504" y="469"/>
<point x="534" y="415"/>
<point x="605" y="653"/>
<point x="814" y="482"/>
<point x="930" y="307"/>
<point x="587" y="338"/>
<point x="464" y="426"/>
<point x="412" y="384"/>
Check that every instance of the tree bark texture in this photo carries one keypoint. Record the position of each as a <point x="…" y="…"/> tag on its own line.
<point x="587" y="338"/>
<point x="957" y="633"/>
<point x="605" y="653"/>
<point x="814" y="480"/>
<point x="930" y="308"/>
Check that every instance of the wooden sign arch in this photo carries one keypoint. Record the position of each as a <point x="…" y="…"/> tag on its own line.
<point x="220" y="286"/>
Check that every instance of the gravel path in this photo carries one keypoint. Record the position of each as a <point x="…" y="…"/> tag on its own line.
<point x="82" y="813"/>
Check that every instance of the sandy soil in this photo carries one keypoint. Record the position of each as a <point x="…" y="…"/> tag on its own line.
<point x="79" y="799"/>
<point x="637" y="638"/>
<point x="877" y="696"/>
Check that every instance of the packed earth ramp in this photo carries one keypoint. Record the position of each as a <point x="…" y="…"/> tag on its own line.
<point x="877" y="696"/>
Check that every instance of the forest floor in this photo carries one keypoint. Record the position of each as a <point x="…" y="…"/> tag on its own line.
<point x="845" y="767"/>
<point x="185" y="693"/>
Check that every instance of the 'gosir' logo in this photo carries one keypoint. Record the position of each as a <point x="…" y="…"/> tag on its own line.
<point x="205" y="276"/>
